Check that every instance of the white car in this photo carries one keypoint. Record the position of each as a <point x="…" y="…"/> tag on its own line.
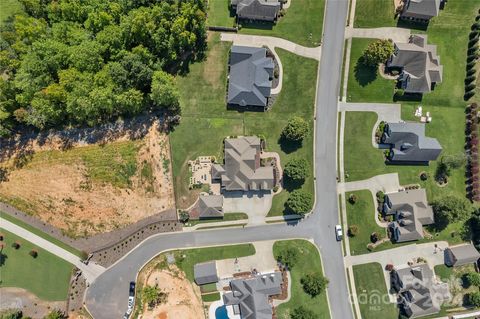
<point x="338" y="232"/>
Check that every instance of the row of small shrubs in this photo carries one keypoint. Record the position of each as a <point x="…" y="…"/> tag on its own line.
<point x="471" y="133"/>
<point x="472" y="57"/>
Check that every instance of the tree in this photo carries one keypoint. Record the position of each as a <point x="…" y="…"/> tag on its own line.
<point x="314" y="284"/>
<point x="378" y="52"/>
<point x="473" y="278"/>
<point x="12" y="314"/>
<point x="165" y="94"/>
<point x="33" y="253"/>
<point x="302" y="313"/>
<point x="474" y="299"/>
<point x="450" y="209"/>
<point x="296" y="169"/>
<point x="300" y="202"/>
<point x="152" y="296"/>
<point x="288" y="257"/>
<point x="56" y="314"/>
<point x="184" y="216"/>
<point x="295" y="130"/>
<point x="353" y="230"/>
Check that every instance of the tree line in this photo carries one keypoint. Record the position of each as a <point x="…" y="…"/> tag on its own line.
<point x="84" y="62"/>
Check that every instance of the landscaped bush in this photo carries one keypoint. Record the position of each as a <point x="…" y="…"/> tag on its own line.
<point x="300" y="202"/>
<point x="352" y="198"/>
<point x="33" y="253"/>
<point x="183" y="216"/>
<point x="378" y="52"/>
<point x="314" y="284"/>
<point x="56" y="314"/>
<point x="473" y="299"/>
<point x="353" y="230"/>
<point x="296" y="169"/>
<point x="380" y="197"/>
<point x="16" y="245"/>
<point x="288" y="257"/>
<point x="302" y="313"/>
<point x="296" y="129"/>
<point x="374" y="237"/>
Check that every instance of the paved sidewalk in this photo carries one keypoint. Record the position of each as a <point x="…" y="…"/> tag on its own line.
<point x="396" y="34"/>
<point x="90" y="271"/>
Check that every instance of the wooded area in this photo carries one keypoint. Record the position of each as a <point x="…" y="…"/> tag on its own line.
<point x="84" y="62"/>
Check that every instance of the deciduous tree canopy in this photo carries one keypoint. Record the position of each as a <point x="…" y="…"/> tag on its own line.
<point x="75" y="63"/>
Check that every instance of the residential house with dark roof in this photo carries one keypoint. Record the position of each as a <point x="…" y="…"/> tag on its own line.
<point x="242" y="170"/>
<point x="410" y="211"/>
<point x="461" y="255"/>
<point x="205" y="273"/>
<point x="207" y="206"/>
<point x="418" y="293"/>
<point x="419" y="65"/>
<point x="421" y="10"/>
<point x="408" y="143"/>
<point x="250" y="297"/>
<point x="262" y="10"/>
<point x="250" y="77"/>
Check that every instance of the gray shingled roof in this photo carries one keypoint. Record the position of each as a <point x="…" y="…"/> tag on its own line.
<point x="205" y="273"/>
<point x="418" y="293"/>
<point x="251" y="295"/>
<point x="242" y="170"/>
<point x="461" y="255"/>
<point x="411" y="211"/>
<point x="409" y="143"/>
<point x="421" y="9"/>
<point x="265" y="10"/>
<point x="250" y="76"/>
<point x="210" y="206"/>
<point x="419" y="62"/>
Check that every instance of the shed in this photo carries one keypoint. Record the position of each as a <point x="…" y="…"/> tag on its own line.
<point x="205" y="273"/>
<point x="461" y="255"/>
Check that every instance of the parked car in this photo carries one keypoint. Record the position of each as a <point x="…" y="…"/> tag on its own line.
<point x="338" y="232"/>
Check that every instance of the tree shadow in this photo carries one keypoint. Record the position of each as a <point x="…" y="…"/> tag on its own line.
<point x="3" y="259"/>
<point x="291" y="184"/>
<point x="408" y="97"/>
<point x="288" y="146"/>
<point x="364" y="74"/>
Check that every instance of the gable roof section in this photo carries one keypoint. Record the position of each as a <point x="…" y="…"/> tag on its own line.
<point x="421" y="9"/>
<point x="411" y="212"/>
<point x="420" y="63"/>
<point x="210" y="206"/>
<point x="250" y="76"/>
<point x="251" y="295"/>
<point x="205" y="273"/>
<point x="266" y="10"/>
<point x="461" y="255"/>
<point x="409" y="143"/>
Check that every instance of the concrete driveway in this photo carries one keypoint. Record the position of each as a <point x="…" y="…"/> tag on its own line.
<point x="256" y="204"/>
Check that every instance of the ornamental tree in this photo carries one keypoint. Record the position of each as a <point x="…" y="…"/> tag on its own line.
<point x="378" y="52"/>
<point x="295" y="130"/>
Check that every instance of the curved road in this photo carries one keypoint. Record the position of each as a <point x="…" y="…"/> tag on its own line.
<point x="107" y="296"/>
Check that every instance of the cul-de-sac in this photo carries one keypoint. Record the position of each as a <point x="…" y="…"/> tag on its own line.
<point x="239" y="159"/>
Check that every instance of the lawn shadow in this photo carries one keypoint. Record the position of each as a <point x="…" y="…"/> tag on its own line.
<point x="256" y="25"/>
<point x="408" y="97"/>
<point x="288" y="146"/>
<point x="364" y="74"/>
<point x="406" y="24"/>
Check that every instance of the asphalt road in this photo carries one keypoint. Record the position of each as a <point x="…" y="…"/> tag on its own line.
<point x="107" y="296"/>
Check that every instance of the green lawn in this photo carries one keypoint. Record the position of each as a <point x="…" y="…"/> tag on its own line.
<point x="226" y="218"/>
<point x="219" y="14"/>
<point x="374" y="14"/>
<point x="308" y="261"/>
<point x="211" y="297"/>
<point x="9" y="8"/>
<point x="46" y="276"/>
<point x="40" y="233"/>
<point x="372" y="292"/>
<point x="362" y="214"/>
<point x="206" y="120"/>
<point x="187" y="258"/>
<point x="302" y="23"/>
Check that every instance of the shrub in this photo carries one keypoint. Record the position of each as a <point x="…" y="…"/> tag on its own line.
<point x="470" y="79"/>
<point x="374" y="237"/>
<point x="352" y="198"/>
<point x="353" y="230"/>
<point x="380" y="196"/>
<point x="400" y="92"/>
<point x="470" y="65"/>
<point x="424" y="176"/>
<point x="296" y="129"/>
<point x="56" y="314"/>
<point x="470" y="87"/>
<point x="296" y="169"/>
<point x="33" y="253"/>
<point x="468" y="95"/>
<point x="302" y="313"/>
<point x="314" y="284"/>
<point x="183" y="216"/>
<point x="300" y="202"/>
<point x="471" y="72"/>
<point x="377" y="52"/>
<point x="473" y="279"/>
<point x="288" y="257"/>
<point x="474" y="299"/>
<point x="16" y="245"/>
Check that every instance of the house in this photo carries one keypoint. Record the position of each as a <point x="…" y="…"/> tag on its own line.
<point x="207" y="206"/>
<point x="250" y="297"/>
<point x="421" y="10"/>
<point x="461" y="255"/>
<point x="205" y="273"/>
<point x="250" y="77"/>
<point x="418" y="294"/>
<point x="242" y="170"/>
<point x="408" y="143"/>
<point x="419" y="65"/>
<point x="262" y="10"/>
<point x="410" y="212"/>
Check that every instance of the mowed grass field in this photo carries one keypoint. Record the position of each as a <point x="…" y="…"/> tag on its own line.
<point x="308" y="261"/>
<point x="219" y="14"/>
<point x="9" y="8"/>
<point x="374" y="14"/>
<point x="372" y="292"/>
<point x="46" y="276"/>
<point x="206" y="120"/>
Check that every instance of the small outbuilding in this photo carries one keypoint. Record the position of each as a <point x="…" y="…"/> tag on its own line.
<point x="461" y="255"/>
<point x="205" y="273"/>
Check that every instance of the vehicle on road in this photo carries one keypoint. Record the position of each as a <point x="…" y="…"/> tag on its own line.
<point x="338" y="232"/>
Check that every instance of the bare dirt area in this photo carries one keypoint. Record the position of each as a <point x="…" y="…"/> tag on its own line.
<point x="183" y="300"/>
<point x="86" y="185"/>
<point x="28" y="303"/>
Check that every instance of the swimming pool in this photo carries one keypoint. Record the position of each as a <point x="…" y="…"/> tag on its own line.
<point x="221" y="312"/>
